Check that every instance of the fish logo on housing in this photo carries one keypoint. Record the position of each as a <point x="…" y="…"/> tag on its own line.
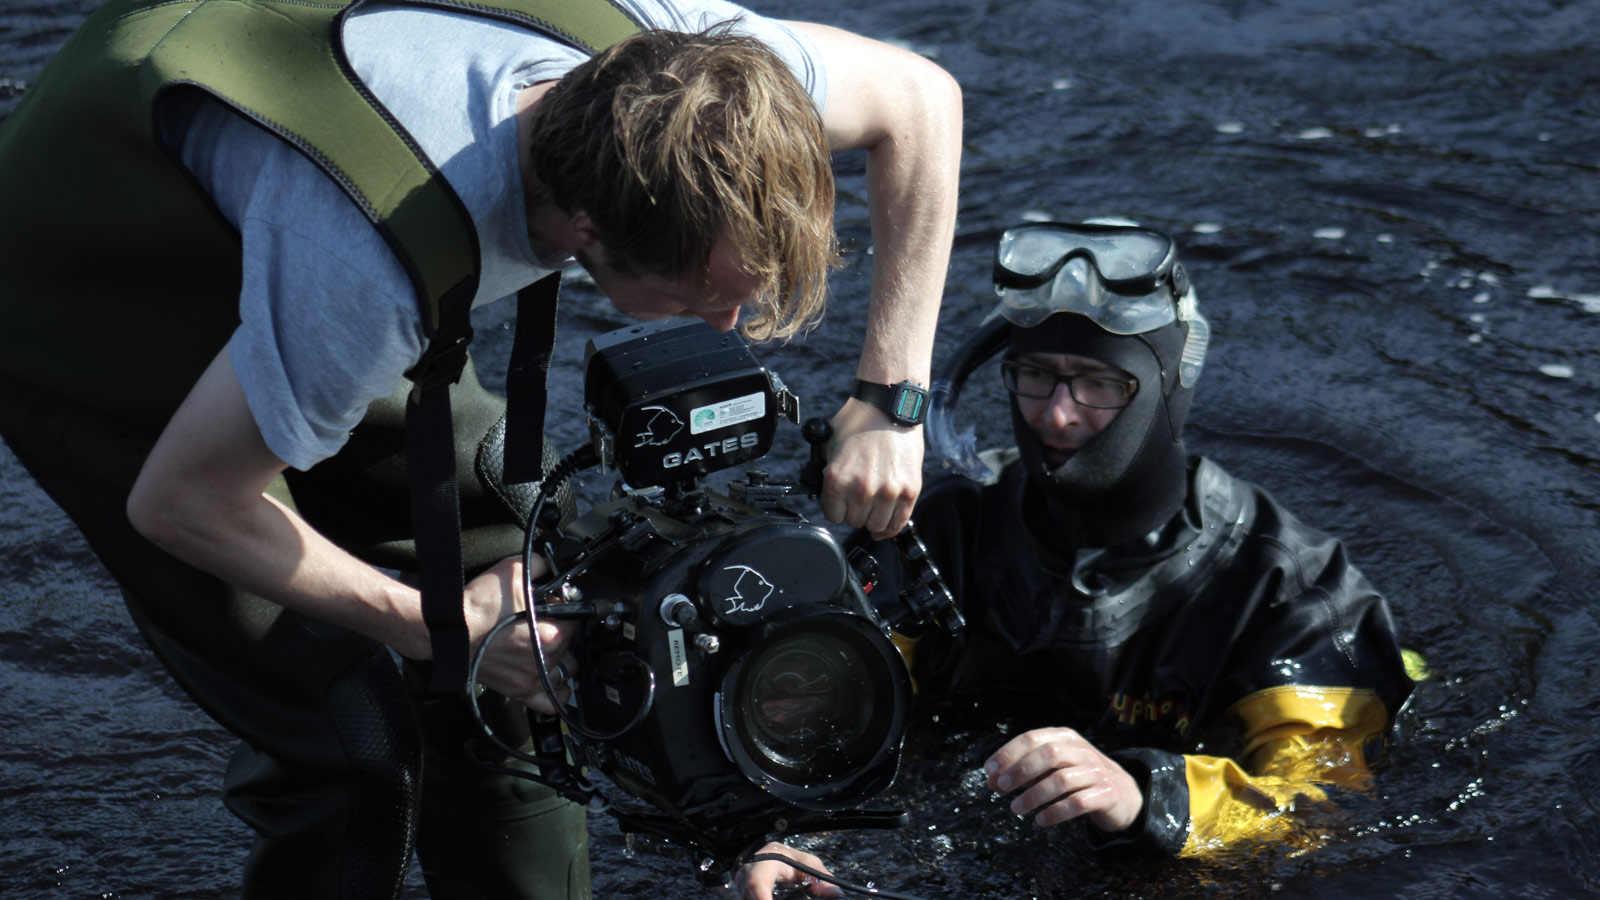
<point x="662" y="426"/>
<point x="751" y="590"/>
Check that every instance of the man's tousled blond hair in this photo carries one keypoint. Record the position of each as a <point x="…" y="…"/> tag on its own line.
<point x="670" y="141"/>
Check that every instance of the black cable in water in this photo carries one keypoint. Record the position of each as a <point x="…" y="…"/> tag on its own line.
<point x="849" y="886"/>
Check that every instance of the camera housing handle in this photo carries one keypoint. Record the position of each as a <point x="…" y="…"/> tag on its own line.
<point x="817" y="433"/>
<point x="926" y="595"/>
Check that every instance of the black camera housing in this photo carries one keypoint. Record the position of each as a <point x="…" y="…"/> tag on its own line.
<point x="732" y="673"/>
<point x="777" y="696"/>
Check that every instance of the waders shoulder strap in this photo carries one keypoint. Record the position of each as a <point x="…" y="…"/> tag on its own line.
<point x="436" y="501"/>
<point x="431" y="464"/>
<point x="526" y="380"/>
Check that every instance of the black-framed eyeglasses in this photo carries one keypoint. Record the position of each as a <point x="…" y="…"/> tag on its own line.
<point x="1090" y="389"/>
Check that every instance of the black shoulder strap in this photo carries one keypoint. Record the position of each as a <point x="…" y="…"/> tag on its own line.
<point x="435" y="495"/>
<point x="526" y="379"/>
<point x="430" y="451"/>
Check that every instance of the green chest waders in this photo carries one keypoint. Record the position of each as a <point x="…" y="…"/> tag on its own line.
<point x="123" y="284"/>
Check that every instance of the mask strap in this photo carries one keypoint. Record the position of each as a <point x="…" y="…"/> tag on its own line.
<point x="958" y="451"/>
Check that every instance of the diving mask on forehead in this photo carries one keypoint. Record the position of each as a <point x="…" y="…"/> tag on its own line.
<point x="1126" y="278"/>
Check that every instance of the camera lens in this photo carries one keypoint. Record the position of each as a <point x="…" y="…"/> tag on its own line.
<point x="812" y="703"/>
<point x="797" y="702"/>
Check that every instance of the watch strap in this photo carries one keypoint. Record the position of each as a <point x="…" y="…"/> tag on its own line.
<point x="905" y="403"/>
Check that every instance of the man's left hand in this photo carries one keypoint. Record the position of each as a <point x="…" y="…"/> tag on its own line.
<point x="875" y="472"/>
<point x="1062" y="776"/>
<point x="755" y="881"/>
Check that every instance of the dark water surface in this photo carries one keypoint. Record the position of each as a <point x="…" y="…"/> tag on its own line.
<point x="1390" y="211"/>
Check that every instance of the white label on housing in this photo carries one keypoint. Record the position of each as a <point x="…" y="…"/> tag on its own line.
<point x="727" y="412"/>
<point x="680" y="657"/>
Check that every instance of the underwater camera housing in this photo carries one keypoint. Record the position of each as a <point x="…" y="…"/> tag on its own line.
<point x="732" y="673"/>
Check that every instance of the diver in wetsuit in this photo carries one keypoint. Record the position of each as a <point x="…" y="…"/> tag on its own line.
<point x="1180" y="658"/>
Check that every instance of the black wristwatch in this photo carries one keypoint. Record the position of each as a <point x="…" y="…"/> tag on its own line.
<point x="904" y="403"/>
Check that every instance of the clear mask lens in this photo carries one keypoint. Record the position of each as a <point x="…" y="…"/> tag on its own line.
<point x="1120" y="277"/>
<point x="1076" y="289"/>
<point x="1123" y="256"/>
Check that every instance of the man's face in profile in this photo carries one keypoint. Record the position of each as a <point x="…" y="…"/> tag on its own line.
<point x="716" y="297"/>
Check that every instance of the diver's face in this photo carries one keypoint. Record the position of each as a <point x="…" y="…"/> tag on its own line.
<point x="716" y="298"/>
<point x="1062" y="424"/>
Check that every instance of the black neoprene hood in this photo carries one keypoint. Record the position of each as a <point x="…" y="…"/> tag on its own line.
<point x="1130" y="478"/>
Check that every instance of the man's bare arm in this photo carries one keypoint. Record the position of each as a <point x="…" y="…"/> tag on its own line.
<point x="906" y="113"/>
<point x="200" y="496"/>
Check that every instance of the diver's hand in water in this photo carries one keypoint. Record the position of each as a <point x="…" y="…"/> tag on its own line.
<point x="875" y="471"/>
<point x="1062" y="776"/>
<point x="509" y="668"/>
<point x="755" y="881"/>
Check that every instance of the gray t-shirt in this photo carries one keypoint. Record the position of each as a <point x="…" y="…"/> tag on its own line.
<point x="329" y="319"/>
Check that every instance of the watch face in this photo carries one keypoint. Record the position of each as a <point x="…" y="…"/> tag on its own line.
<point x="904" y="403"/>
<point x="910" y="403"/>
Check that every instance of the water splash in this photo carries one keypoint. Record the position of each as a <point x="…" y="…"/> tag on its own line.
<point x="1588" y="302"/>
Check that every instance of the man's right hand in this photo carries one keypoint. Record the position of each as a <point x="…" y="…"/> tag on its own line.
<point x="508" y="667"/>
<point x="1060" y="776"/>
